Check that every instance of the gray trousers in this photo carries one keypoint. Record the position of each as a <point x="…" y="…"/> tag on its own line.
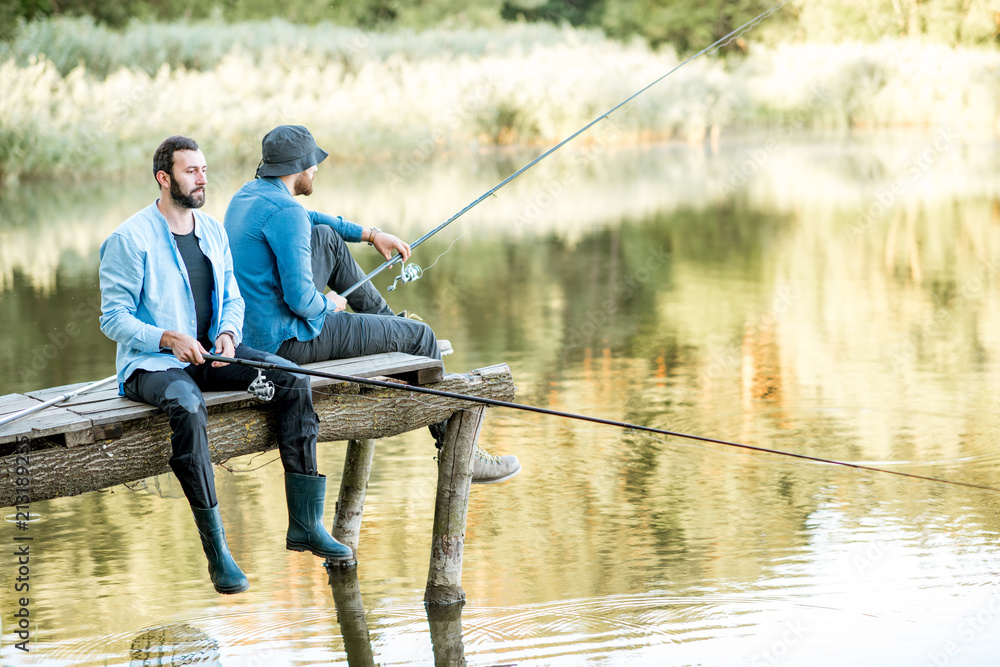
<point x="371" y="329"/>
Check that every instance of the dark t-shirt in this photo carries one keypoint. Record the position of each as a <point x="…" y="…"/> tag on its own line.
<point x="199" y="270"/>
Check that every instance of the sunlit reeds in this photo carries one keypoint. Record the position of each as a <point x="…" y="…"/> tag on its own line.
<point x="403" y="97"/>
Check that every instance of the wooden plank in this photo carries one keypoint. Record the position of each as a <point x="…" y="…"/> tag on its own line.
<point x="51" y="421"/>
<point x="144" y="447"/>
<point x="390" y="364"/>
<point x="98" y="394"/>
<point x="387" y="363"/>
<point x="109" y="406"/>
<point x="12" y="403"/>
<point x="104" y="407"/>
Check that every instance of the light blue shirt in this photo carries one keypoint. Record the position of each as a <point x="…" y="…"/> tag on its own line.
<point x="145" y="289"/>
<point x="270" y="235"/>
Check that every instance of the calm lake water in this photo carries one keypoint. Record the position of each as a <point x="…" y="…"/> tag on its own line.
<point x="834" y="298"/>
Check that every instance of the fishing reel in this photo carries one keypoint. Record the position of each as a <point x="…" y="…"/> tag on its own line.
<point x="407" y="274"/>
<point x="261" y="388"/>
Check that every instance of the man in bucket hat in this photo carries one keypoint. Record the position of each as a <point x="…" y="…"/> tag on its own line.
<point x="284" y="257"/>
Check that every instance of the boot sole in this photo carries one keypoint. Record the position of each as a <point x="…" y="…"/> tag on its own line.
<point x="233" y="591"/>
<point x="296" y="546"/>
<point x="497" y="480"/>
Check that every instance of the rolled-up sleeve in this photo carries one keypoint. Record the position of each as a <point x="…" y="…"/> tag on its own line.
<point x="121" y="280"/>
<point x="349" y="231"/>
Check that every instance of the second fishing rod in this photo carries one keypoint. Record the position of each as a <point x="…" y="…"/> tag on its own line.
<point x="415" y="272"/>
<point x="262" y="392"/>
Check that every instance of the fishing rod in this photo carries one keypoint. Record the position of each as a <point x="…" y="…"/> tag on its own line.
<point x="53" y="401"/>
<point x="412" y="272"/>
<point x="261" y="365"/>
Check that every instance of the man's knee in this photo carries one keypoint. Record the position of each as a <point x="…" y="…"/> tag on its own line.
<point x="186" y="404"/>
<point x="424" y="342"/>
<point x="325" y="239"/>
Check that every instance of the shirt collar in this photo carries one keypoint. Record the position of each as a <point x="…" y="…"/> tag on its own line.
<point x="277" y="182"/>
<point x="163" y="221"/>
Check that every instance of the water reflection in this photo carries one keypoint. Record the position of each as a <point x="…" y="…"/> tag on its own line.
<point x="445" y="623"/>
<point x="779" y="308"/>
<point x="351" y="616"/>
<point x="174" y="645"/>
<point x="446" y="634"/>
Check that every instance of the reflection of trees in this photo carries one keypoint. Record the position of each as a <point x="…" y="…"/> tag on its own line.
<point x="51" y="339"/>
<point x="771" y="322"/>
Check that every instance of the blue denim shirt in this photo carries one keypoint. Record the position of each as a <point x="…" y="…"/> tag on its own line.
<point x="145" y="289"/>
<point x="270" y="236"/>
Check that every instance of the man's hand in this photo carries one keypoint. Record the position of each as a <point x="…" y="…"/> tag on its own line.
<point x="224" y="347"/>
<point x="339" y="302"/>
<point x="387" y="243"/>
<point x="184" y="347"/>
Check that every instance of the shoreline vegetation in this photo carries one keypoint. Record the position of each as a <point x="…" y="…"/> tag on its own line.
<point x="83" y="101"/>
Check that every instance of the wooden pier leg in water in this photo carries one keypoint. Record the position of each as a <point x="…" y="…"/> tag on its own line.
<point x="444" y="580"/>
<point x="351" y="503"/>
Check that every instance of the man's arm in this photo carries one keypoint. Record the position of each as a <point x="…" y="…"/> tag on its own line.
<point x="384" y="242"/>
<point x="121" y="279"/>
<point x="349" y="231"/>
<point x="288" y="234"/>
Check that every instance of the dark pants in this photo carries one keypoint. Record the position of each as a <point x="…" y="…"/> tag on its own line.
<point x="177" y="392"/>
<point x="371" y="329"/>
<point x="334" y="266"/>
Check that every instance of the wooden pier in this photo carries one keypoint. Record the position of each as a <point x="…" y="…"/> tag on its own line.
<point x="99" y="439"/>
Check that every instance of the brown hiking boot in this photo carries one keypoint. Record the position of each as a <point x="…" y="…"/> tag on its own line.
<point x="489" y="469"/>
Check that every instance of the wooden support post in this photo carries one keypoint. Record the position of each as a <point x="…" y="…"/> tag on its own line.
<point x="444" y="580"/>
<point x="351" y="503"/>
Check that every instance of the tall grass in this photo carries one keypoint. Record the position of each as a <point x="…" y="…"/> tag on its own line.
<point x="405" y="97"/>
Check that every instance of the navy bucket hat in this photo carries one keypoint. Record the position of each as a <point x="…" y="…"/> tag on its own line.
<point x="288" y="149"/>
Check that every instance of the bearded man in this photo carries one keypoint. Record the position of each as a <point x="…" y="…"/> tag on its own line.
<point x="286" y="256"/>
<point x="168" y="296"/>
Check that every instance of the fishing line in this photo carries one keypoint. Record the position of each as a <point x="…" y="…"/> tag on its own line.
<point x="260" y="365"/>
<point x="711" y="48"/>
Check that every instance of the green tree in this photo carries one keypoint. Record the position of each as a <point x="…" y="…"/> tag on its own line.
<point x="686" y="25"/>
<point x="12" y="12"/>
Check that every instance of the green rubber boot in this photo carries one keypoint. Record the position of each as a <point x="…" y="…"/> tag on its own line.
<point x="227" y="577"/>
<point x="306" y="495"/>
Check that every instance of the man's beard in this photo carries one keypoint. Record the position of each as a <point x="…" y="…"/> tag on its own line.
<point x="304" y="184"/>
<point x="194" y="199"/>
